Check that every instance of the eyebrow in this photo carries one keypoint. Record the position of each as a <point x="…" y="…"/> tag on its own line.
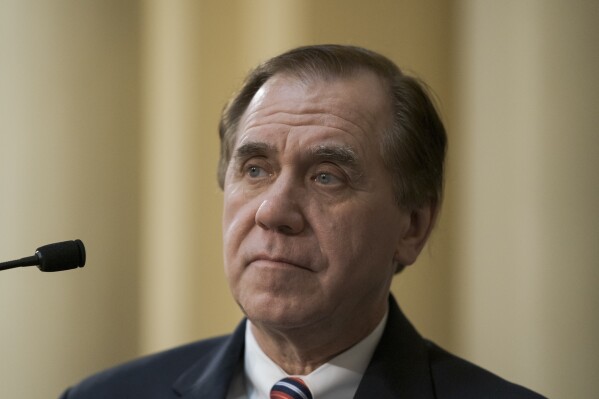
<point x="343" y="155"/>
<point x="253" y="149"/>
<point x="339" y="154"/>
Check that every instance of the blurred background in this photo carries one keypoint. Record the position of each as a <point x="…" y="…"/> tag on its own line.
<point x="108" y="117"/>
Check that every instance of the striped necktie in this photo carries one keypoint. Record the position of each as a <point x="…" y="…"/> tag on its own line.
<point x="290" y="388"/>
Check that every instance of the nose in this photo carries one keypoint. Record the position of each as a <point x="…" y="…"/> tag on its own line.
<point x="280" y="210"/>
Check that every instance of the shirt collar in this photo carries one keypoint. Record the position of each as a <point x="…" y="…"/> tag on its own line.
<point x="337" y="378"/>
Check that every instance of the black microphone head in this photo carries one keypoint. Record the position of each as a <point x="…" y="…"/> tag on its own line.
<point x="61" y="256"/>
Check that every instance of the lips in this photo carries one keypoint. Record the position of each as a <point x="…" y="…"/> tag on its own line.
<point x="278" y="261"/>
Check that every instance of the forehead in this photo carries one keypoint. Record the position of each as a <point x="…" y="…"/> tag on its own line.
<point x="355" y="107"/>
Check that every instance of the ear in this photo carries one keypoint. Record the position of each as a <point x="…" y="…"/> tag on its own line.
<point x="421" y="223"/>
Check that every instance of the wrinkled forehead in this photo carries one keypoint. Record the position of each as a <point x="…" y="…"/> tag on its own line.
<point x="357" y="81"/>
<point x="358" y="101"/>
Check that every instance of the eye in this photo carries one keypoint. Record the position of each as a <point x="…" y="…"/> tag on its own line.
<point x="255" y="172"/>
<point x="326" y="179"/>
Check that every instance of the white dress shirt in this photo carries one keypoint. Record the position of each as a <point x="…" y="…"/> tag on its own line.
<point x="338" y="378"/>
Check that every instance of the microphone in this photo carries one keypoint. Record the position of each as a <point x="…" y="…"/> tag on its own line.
<point x="55" y="257"/>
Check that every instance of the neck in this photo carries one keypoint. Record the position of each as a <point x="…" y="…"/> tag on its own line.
<point x="299" y="351"/>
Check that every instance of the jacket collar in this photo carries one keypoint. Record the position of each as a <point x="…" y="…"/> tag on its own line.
<point x="399" y="365"/>
<point x="211" y="375"/>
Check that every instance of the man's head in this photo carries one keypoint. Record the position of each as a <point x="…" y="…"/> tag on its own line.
<point x="318" y="209"/>
<point x="413" y="146"/>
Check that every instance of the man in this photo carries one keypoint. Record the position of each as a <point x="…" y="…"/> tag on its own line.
<point x="332" y="171"/>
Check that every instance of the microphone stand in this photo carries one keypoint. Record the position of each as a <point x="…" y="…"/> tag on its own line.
<point x="28" y="261"/>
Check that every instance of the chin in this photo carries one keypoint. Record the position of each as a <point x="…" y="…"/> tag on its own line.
<point x="277" y="313"/>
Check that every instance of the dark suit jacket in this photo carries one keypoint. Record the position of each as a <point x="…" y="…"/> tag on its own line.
<point x="404" y="365"/>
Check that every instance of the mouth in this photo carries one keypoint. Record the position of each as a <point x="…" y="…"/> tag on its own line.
<point x="277" y="262"/>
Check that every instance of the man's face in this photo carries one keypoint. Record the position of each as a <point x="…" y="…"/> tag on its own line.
<point x="310" y="225"/>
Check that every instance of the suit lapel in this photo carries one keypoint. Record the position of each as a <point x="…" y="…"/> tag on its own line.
<point x="211" y="375"/>
<point x="400" y="366"/>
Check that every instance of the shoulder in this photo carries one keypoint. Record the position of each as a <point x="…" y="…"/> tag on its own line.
<point x="454" y="377"/>
<point x="150" y="376"/>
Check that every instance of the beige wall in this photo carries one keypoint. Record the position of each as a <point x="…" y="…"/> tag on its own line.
<point x="108" y="114"/>
<point x="528" y="225"/>
<point x="69" y="138"/>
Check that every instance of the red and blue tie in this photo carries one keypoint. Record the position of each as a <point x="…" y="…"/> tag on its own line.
<point x="290" y="388"/>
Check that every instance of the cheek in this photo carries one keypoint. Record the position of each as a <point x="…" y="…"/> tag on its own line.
<point x="334" y="230"/>
<point x="237" y="219"/>
<point x="237" y="210"/>
<point x="360" y="241"/>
